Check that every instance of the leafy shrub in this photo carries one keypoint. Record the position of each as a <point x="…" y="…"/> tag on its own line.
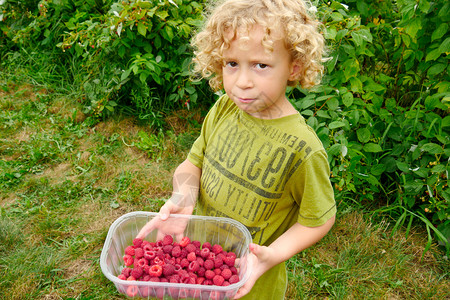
<point x="146" y="45"/>
<point x="382" y="110"/>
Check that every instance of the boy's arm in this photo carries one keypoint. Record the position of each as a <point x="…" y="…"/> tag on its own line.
<point x="186" y="182"/>
<point x="293" y="241"/>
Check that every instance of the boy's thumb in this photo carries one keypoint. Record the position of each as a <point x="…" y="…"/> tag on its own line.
<point x="254" y="248"/>
<point x="164" y="213"/>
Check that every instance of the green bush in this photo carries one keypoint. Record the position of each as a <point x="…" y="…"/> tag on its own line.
<point x="146" y="45"/>
<point x="382" y="110"/>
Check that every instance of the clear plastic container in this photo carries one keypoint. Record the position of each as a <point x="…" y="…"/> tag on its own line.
<point x="230" y="234"/>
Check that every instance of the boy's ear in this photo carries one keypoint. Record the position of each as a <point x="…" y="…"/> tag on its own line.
<point x="296" y="70"/>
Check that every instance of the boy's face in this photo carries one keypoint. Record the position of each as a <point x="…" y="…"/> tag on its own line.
<point x="256" y="79"/>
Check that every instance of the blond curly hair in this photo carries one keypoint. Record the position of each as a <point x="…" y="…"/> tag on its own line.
<point x="293" y="17"/>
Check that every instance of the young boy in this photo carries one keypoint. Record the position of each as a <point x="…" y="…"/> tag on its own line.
<point x="256" y="160"/>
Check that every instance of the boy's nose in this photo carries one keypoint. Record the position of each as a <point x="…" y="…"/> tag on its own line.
<point x="244" y="79"/>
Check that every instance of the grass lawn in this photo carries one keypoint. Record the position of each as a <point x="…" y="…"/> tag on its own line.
<point x="64" y="179"/>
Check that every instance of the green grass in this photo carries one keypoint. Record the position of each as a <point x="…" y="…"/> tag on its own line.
<point x="65" y="178"/>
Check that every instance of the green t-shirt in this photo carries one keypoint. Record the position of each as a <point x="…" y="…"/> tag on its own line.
<point x="266" y="174"/>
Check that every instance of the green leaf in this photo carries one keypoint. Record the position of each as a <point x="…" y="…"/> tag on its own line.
<point x="377" y="170"/>
<point x="330" y="33"/>
<point x="436" y="69"/>
<point x="334" y="150"/>
<point x="162" y="14"/>
<point x="356" y="84"/>
<point x="336" y="124"/>
<point x="337" y="16"/>
<point x="439" y="32"/>
<point x="363" y="135"/>
<point x="445" y="46"/>
<point x="432" y="148"/>
<point x="433" y="55"/>
<point x="333" y="103"/>
<point x="347" y="99"/>
<point x="142" y="29"/>
<point x="413" y="27"/>
<point x="372" y="147"/>
<point x="402" y="166"/>
<point x="125" y="75"/>
<point x="361" y="35"/>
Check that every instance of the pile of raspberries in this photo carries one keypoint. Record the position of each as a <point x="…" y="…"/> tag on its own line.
<point x="188" y="262"/>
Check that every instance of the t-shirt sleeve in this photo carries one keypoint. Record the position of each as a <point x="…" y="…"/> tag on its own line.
<point x="311" y="189"/>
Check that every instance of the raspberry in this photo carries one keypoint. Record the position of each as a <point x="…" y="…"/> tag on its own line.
<point x="229" y="260"/>
<point x="167" y="249"/>
<point x="184" y="263"/>
<point x="200" y="280"/>
<point x="197" y="244"/>
<point x="176" y="251"/>
<point x="121" y="276"/>
<point x="205" y="252"/>
<point x="149" y="255"/>
<point x="217" y="249"/>
<point x="129" y="250"/>
<point x="191" y="256"/>
<point x="233" y="279"/>
<point x="158" y="261"/>
<point x="155" y="271"/>
<point x="167" y="240"/>
<point x="189" y="280"/>
<point x="218" y="280"/>
<point x="211" y="256"/>
<point x="201" y="272"/>
<point x="207" y="282"/>
<point x="193" y="266"/>
<point x="126" y="271"/>
<point x="137" y="272"/>
<point x="217" y="271"/>
<point x="137" y="242"/>
<point x="218" y="262"/>
<point x="168" y="269"/>
<point x="128" y="260"/>
<point x="146" y="277"/>
<point x="209" y="274"/>
<point x="209" y="264"/>
<point x="190" y="248"/>
<point x="138" y="252"/>
<point x="147" y="247"/>
<point x="233" y="270"/>
<point x="200" y="261"/>
<point x="226" y="274"/>
<point x="185" y="241"/>
<point x="132" y="290"/>
<point x="142" y="262"/>
<point x="207" y="245"/>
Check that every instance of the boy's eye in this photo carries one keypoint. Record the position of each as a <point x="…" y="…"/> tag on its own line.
<point x="261" y="66"/>
<point x="232" y="64"/>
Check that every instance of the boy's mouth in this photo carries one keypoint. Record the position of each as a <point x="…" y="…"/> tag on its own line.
<point x="246" y="100"/>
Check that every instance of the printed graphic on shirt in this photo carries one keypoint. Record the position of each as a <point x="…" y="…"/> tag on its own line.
<point x="245" y="171"/>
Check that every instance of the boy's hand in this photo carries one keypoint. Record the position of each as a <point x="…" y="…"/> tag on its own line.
<point x="261" y="259"/>
<point x="175" y="205"/>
